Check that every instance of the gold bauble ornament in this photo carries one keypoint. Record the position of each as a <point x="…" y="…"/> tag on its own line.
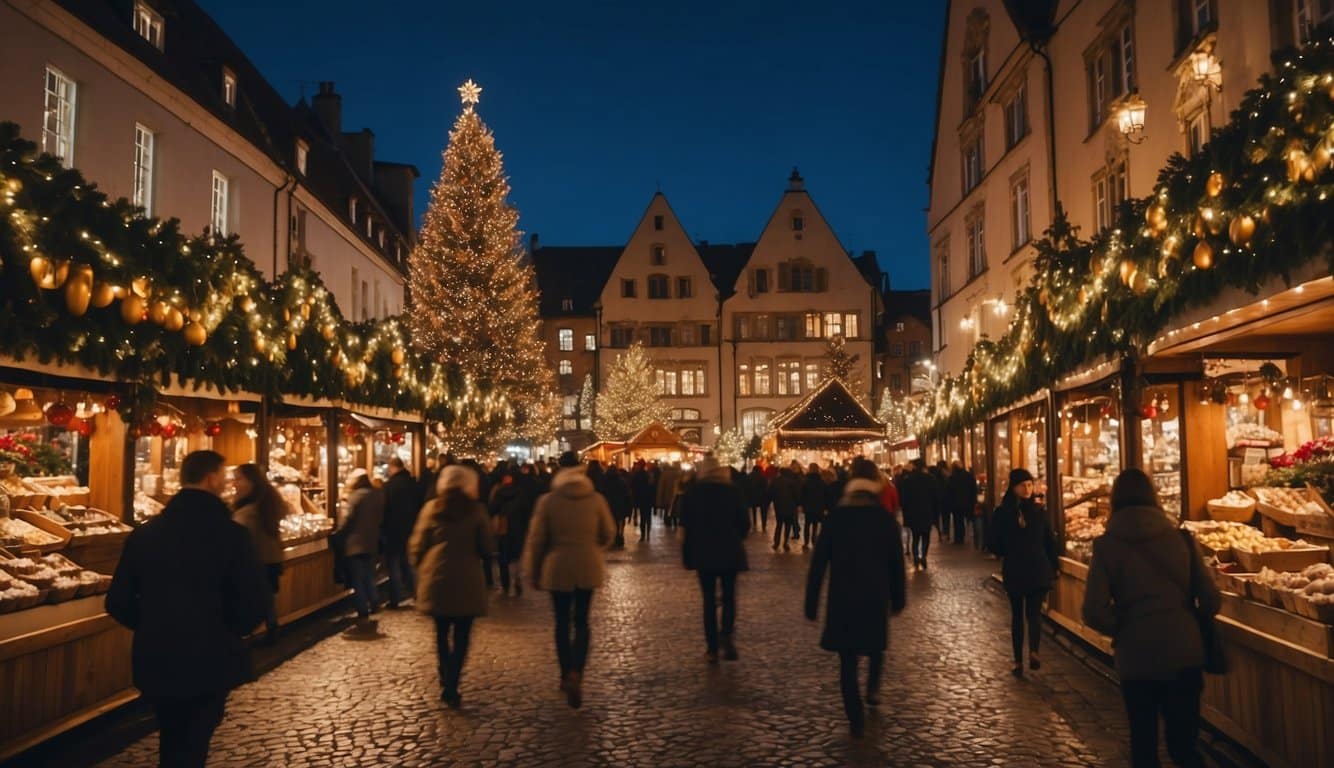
<point x="1204" y="255"/>
<point x="287" y="315"/>
<point x="1139" y="283"/>
<point x="142" y="287"/>
<point x="1214" y="186"/>
<point x="175" y="320"/>
<point x="1128" y="270"/>
<point x="1241" y="229"/>
<point x="195" y="335"/>
<point x="1156" y="217"/>
<point x="103" y="295"/>
<point x="396" y="356"/>
<point x="1264" y="215"/>
<point x="1320" y="158"/>
<point x="79" y="291"/>
<point x="1083" y="295"/>
<point x="157" y="312"/>
<point x="62" y="272"/>
<point x="291" y="342"/>
<point x="337" y="358"/>
<point x="261" y="343"/>
<point x="247" y="304"/>
<point x="328" y="331"/>
<point x="43" y="272"/>
<point x="1308" y="173"/>
<point x="305" y="311"/>
<point x="132" y="309"/>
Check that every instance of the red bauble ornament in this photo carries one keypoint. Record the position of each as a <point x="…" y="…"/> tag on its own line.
<point x="169" y="430"/>
<point x="213" y="429"/>
<point x="154" y="428"/>
<point x="59" y="414"/>
<point x="351" y="431"/>
<point x="112" y="403"/>
<point x="397" y="437"/>
<point x="1149" y="411"/>
<point x="83" y="426"/>
<point x="1261" y="401"/>
<point x="1106" y="410"/>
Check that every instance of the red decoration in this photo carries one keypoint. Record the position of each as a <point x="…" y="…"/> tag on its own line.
<point x="351" y="430"/>
<point x="1261" y="401"/>
<point x="397" y="437"/>
<point x="1106" y="410"/>
<point x="83" y="426"/>
<point x="1149" y="411"/>
<point x="213" y="429"/>
<point x="169" y="430"/>
<point x="154" y="428"/>
<point x="59" y="414"/>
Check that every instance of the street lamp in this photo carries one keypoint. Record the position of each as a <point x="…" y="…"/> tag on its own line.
<point x="1130" y="119"/>
<point x="1205" y="69"/>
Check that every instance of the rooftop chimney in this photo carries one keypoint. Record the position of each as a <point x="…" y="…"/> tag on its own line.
<point x="359" y="148"/>
<point x="794" y="182"/>
<point x="328" y="107"/>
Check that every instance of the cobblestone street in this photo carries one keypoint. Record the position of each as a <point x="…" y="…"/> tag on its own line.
<point x="651" y="699"/>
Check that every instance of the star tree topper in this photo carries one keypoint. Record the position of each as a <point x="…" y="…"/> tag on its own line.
<point x="470" y="93"/>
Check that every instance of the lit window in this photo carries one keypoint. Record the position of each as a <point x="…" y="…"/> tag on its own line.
<point x="743" y="379"/>
<point x="850" y="325"/>
<point x="812" y="375"/>
<point x="762" y="377"/>
<point x="58" y="117"/>
<point x="755" y="421"/>
<point x="692" y="381"/>
<point x="352" y="209"/>
<point x="218" y="212"/>
<point x="789" y="377"/>
<point x="569" y="404"/>
<point x="143" y="169"/>
<point x="302" y="150"/>
<point x="977" y="250"/>
<point x="148" y="23"/>
<point x="1019" y="217"/>
<point x="228" y="88"/>
<point x="566" y="367"/>
<point x="566" y="338"/>
<point x="813" y="325"/>
<point x="590" y="342"/>
<point x="833" y="324"/>
<point x="743" y="327"/>
<point x="664" y="380"/>
<point x="567" y="305"/>
<point x="1016" y="117"/>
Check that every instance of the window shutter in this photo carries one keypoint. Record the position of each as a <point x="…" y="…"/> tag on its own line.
<point x="821" y="280"/>
<point x="784" y="277"/>
<point x="750" y="282"/>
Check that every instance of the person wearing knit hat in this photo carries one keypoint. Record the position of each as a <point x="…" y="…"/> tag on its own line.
<point x="1148" y="588"/>
<point x="1022" y="536"/>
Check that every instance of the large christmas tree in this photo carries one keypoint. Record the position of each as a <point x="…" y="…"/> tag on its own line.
<point x="473" y="296"/>
<point x="629" y="401"/>
<point x="842" y="365"/>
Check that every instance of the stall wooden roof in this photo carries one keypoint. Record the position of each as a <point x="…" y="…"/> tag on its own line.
<point x="829" y="416"/>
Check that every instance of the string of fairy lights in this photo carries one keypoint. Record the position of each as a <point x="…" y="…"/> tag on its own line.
<point x="1253" y="205"/>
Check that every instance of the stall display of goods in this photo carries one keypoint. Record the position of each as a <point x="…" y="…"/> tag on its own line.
<point x="300" y="526"/>
<point x="26" y="582"/>
<point x="15" y="532"/>
<point x="1279" y="554"/>
<point x="1253" y="435"/>
<point x="1080" y="531"/>
<point x="1235" y="506"/>
<point x="1077" y="489"/>
<point x="1288" y="506"/>
<point x="62" y="489"/>
<point x="1220" y="537"/>
<point x="21" y="492"/>
<point x="145" y="507"/>
<point x="83" y="521"/>
<point x="1168" y="485"/>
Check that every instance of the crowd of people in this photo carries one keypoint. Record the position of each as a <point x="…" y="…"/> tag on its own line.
<point x="192" y="584"/>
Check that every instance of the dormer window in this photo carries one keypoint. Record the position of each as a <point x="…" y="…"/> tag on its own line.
<point x="352" y="209"/>
<point x="370" y="227"/>
<point x="379" y="237"/>
<point x="658" y="255"/>
<point x="302" y="150"/>
<point x="798" y="221"/>
<point x="657" y="223"/>
<point x="229" y="87"/>
<point x="148" y="23"/>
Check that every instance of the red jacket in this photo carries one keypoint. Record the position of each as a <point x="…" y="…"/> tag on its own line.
<point x="889" y="498"/>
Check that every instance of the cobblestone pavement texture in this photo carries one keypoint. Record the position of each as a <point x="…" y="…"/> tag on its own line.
<point x="651" y="699"/>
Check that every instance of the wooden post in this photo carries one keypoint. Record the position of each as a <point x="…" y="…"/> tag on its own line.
<point x="331" y="459"/>
<point x="1131" y="394"/>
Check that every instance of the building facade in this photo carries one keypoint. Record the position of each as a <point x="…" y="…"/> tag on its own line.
<point x="798" y="290"/>
<point x="153" y="102"/>
<point x="906" y="366"/>
<point x="1000" y="163"/>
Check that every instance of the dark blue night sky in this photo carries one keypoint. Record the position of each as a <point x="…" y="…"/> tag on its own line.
<point x="597" y="103"/>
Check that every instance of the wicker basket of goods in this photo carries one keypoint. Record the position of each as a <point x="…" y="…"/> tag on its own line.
<point x="1236" y="507"/>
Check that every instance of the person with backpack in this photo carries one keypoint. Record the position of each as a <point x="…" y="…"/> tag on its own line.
<point x="446" y="548"/>
<point x="1148" y="589"/>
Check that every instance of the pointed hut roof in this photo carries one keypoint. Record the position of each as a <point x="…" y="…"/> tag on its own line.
<point x="829" y="416"/>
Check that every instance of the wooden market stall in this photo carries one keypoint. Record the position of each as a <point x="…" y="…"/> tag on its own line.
<point x="654" y="442"/>
<point x="828" y="420"/>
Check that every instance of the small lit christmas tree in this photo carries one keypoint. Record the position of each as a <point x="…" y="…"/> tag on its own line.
<point x="894" y="414"/>
<point x="731" y="447"/>
<point x="842" y="365"/>
<point x="629" y="401"/>
<point x="473" y="297"/>
<point x="584" y="410"/>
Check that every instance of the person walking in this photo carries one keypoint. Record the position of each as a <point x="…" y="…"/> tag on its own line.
<point x="571" y="527"/>
<point x="920" y="498"/>
<point x="812" y="505"/>
<point x="641" y="486"/>
<point x="1022" y="537"/>
<point x="860" y="547"/>
<point x="757" y="498"/>
<point x="259" y="507"/>
<point x="617" y="493"/>
<point x="713" y="513"/>
<point x="427" y="482"/>
<point x="668" y="478"/>
<point x="446" y="547"/>
<point x="504" y="508"/>
<point x="785" y="491"/>
<point x="358" y="533"/>
<point x="961" y="498"/>
<point x="940" y="472"/>
<point x="1148" y="587"/>
<point x="402" y="502"/>
<point x="189" y="585"/>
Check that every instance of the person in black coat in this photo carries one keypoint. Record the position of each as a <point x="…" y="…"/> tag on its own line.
<point x="812" y="505"/>
<point x="617" y="492"/>
<point x="402" y="502"/>
<point x="860" y="547"/>
<point x="190" y="586"/>
<point x="713" y="513"/>
<point x="426" y="483"/>
<point x="961" y="496"/>
<point x="1021" y="535"/>
<point x="506" y="508"/>
<point x="641" y="488"/>
<point x="757" y="498"/>
<point x="785" y="492"/>
<point x="920" y="496"/>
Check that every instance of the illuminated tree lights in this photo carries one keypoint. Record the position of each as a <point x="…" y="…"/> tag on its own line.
<point x="630" y="400"/>
<point x="1256" y="203"/>
<point x="474" y="302"/>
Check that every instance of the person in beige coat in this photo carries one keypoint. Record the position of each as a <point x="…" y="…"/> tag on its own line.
<point x="451" y="537"/>
<point x="571" y="527"/>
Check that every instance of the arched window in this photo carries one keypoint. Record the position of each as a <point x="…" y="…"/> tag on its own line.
<point x="755" y="421"/>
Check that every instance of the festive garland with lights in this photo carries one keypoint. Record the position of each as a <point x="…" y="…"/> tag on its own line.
<point x="1255" y="204"/>
<point x="92" y="282"/>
